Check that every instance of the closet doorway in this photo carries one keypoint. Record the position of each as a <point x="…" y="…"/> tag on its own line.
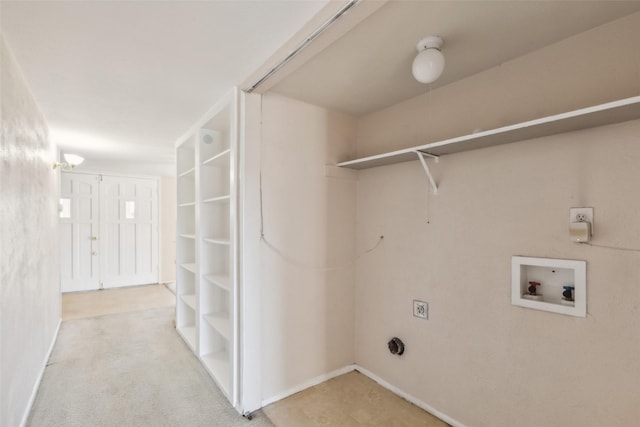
<point x="108" y="231"/>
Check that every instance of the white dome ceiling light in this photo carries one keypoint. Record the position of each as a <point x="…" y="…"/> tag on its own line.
<point x="429" y="63"/>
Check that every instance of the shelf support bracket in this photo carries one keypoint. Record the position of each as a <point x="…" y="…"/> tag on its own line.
<point x="421" y="156"/>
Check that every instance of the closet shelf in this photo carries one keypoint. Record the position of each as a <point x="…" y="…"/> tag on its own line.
<point x="221" y="323"/>
<point x="188" y="236"/>
<point x="219" y="199"/>
<point x="218" y="364"/>
<point x="189" y="299"/>
<point x="211" y="160"/>
<point x="220" y="281"/>
<point x="600" y="115"/>
<point x="184" y="205"/>
<point x="187" y="172"/>
<point x="189" y="267"/>
<point x="216" y="241"/>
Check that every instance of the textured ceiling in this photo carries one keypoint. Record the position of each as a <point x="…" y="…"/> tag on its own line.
<point x="370" y="67"/>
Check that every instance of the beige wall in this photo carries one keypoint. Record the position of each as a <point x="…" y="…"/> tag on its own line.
<point x="591" y="68"/>
<point x="479" y="359"/>
<point x="29" y="270"/>
<point x="168" y="211"/>
<point x="308" y="267"/>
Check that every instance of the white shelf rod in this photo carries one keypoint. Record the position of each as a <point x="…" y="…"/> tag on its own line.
<point x="425" y="166"/>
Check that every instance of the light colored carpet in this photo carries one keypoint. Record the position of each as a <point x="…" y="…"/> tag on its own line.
<point x="79" y="305"/>
<point x="350" y="400"/>
<point x="129" y="369"/>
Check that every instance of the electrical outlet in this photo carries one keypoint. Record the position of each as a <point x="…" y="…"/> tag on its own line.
<point x="420" y="309"/>
<point x="581" y="215"/>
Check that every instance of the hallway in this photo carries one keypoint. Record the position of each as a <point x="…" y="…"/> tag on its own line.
<point x="129" y="369"/>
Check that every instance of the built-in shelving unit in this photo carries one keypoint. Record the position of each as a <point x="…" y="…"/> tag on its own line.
<point x="585" y="118"/>
<point x="218" y="282"/>
<point x="207" y="315"/>
<point x="187" y="280"/>
<point x="218" y="238"/>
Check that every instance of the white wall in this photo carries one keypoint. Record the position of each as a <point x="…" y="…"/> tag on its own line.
<point x="29" y="274"/>
<point x="308" y="266"/>
<point x="167" y="211"/>
<point x="479" y="359"/>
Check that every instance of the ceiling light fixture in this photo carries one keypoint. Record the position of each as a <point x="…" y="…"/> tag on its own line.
<point x="429" y="63"/>
<point x="71" y="161"/>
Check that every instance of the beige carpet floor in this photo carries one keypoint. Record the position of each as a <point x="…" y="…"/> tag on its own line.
<point x="129" y="369"/>
<point x="79" y="305"/>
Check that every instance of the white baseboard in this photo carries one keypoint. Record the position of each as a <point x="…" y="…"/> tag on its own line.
<point x="305" y="385"/>
<point x="36" y="386"/>
<point x="433" y="411"/>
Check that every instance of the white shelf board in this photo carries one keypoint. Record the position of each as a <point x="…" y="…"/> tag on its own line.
<point x="600" y="115"/>
<point x="189" y="299"/>
<point x="188" y="333"/>
<point x="189" y="267"/>
<point x="219" y="367"/>
<point x="184" y="205"/>
<point x="221" y="323"/>
<point x="220" y="199"/>
<point x="218" y="156"/>
<point x="187" y="172"/>
<point x="216" y="241"/>
<point x="220" y="281"/>
<point x="188" y="236"/>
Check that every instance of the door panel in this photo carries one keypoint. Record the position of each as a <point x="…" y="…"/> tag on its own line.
<point x="79" y="223"/>
<point x="129" y="208"/>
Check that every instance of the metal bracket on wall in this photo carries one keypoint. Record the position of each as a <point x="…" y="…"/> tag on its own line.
<point x="422" y="156"/>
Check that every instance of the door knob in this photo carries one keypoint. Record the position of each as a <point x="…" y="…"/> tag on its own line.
<point x="94" y="253"/>
<point x="94" y="237"/>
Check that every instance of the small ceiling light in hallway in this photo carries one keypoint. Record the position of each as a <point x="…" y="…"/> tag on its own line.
<point x="71" y="161"/>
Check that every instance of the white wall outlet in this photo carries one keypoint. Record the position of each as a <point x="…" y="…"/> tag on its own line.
<point x="581" y="215"/>
<point x="420" y="309"/>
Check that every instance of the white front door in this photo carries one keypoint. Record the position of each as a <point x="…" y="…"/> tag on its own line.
<point x="108" y="231"/>
<point x="79" y="227"/>
<point x="129" y="231"/>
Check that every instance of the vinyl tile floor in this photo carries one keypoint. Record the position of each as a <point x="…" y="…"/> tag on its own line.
<point x="350" y="400"/>
<point x="81" y="305"/>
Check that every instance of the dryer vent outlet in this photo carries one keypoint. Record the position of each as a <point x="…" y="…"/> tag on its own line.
<point x="396" y="346"/>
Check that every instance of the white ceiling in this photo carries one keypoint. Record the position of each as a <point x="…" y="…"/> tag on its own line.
<point x="123" y="80"/>
<point x="370" y="67"/>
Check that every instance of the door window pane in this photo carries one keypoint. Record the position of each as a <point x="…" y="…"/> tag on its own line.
<point x="130" y="209"/>
<point x="65" y="208"/>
